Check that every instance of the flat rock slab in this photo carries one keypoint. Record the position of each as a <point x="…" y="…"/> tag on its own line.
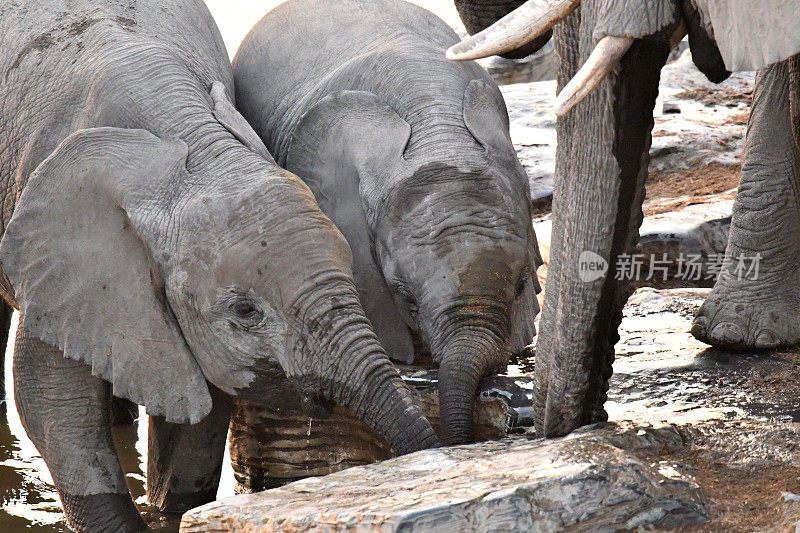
<point x="584" y="482"/>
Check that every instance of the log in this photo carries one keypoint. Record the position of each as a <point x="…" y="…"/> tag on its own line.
<point x="588" y="481"/>
<point x="272" y="447"/>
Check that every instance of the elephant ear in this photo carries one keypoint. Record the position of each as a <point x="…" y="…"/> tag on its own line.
<point x="526" y="307"/>
<point x="486" y="118"/>
<point x="227" y="115"/>
<point x="83" y="254"/>
<point x="752" y="35"/>
<point x="339" y="148"/>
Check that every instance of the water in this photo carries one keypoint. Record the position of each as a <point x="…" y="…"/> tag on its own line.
<point x="28" y="500"/>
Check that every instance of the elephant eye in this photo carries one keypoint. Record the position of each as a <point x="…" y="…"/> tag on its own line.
<point x="245" y="309"/>
<point x="408" y="298"/>
<point x="523" y="281"/>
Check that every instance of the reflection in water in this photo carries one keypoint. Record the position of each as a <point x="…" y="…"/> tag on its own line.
<point x="28" y="500"/>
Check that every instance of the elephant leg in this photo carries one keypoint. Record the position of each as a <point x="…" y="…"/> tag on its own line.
<point x="755" y="303"/>
<point x="601" y="170"/>
<point x="184" y="462"/>
<point x="65" y="411"/>
<point x="5" y="325"/>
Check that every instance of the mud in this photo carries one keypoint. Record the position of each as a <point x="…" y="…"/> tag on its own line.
<point x="737" y="413"/>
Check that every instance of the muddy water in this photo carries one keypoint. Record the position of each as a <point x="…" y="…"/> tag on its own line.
<point x="28" y="501"/>
<point x="663" y="374"/>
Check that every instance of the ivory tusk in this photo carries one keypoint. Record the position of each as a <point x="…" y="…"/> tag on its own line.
<point x="518" y="28"/>
<point x="677" y="37"/>
<point x="603" y="59"/>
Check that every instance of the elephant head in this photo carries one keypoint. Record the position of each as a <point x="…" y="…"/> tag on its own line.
<point x="137" y="260"/>
<point x="442" y="241"/>
<point x="610" y="56"/>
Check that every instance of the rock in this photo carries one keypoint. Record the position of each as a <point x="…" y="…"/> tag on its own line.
<point x="270" y="448"/>
<point x="689" y="243"/>
<point x="583" y="482"/>
<point x="670" y="109"/>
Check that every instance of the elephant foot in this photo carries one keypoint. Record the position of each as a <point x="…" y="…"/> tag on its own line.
<point x="750" y="316"/>
<point x="761" y="311"/>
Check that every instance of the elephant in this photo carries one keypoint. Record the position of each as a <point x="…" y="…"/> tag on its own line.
<point x="410" y="155"/>
<point x="602" y="165"/>
<point x="156" y="252"/>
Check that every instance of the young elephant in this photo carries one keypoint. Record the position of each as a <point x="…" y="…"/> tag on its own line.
<point x="410" y="156"/>
<point x="151" y="244"/>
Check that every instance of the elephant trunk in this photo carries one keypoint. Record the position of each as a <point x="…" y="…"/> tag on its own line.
<point x="477" y="15"/>
<point x="379" y="397"/>
<point x="601" y="169"/>
<point x="357" y="373"/>
<point x="463" y="364"/>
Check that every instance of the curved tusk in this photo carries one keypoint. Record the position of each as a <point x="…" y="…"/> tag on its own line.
<point x="677" y="37"/>
<point x="604" y="59"/>
<point x="518" y="28"/>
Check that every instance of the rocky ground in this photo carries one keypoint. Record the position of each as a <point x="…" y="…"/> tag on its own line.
<point x="737" y="414"/>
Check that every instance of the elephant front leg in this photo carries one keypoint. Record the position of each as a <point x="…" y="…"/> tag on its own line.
<point x="184" y="462"/>
<point x="65" y="411"/>
<point x="755" y="303"/>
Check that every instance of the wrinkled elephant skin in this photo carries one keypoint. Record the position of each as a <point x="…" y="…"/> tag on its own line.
<point x="410" y="155"/>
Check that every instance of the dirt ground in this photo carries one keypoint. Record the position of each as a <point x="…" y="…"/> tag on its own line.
<point x="711" y="96"/>
<point x="738" y="414"/>
<point x="742" y="499"/>
<point x="670" y="191"/>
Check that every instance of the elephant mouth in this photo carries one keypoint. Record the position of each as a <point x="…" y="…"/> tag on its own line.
<point x="315" y="406"/>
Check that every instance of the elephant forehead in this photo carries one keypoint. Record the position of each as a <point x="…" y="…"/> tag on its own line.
<point x="493" y="267"/>
<point x="469" y="260"/>
<point x="445" y="195"/>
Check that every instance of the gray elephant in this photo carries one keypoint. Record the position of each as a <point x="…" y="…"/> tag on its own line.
<point x="156" y="252"/>
<point x="410" y="156"/>
<point x="602" y="165"/>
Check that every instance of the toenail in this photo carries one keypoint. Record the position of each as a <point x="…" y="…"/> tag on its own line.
<point x="699" y="328"/>
<point x="766" y="340"/>
<point x="727" y="334"/>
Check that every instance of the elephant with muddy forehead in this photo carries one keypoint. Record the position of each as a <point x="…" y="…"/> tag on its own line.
<point x="410" y="155"/>
<point x="610" y="54"/>
<point x="157" y="253"/>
